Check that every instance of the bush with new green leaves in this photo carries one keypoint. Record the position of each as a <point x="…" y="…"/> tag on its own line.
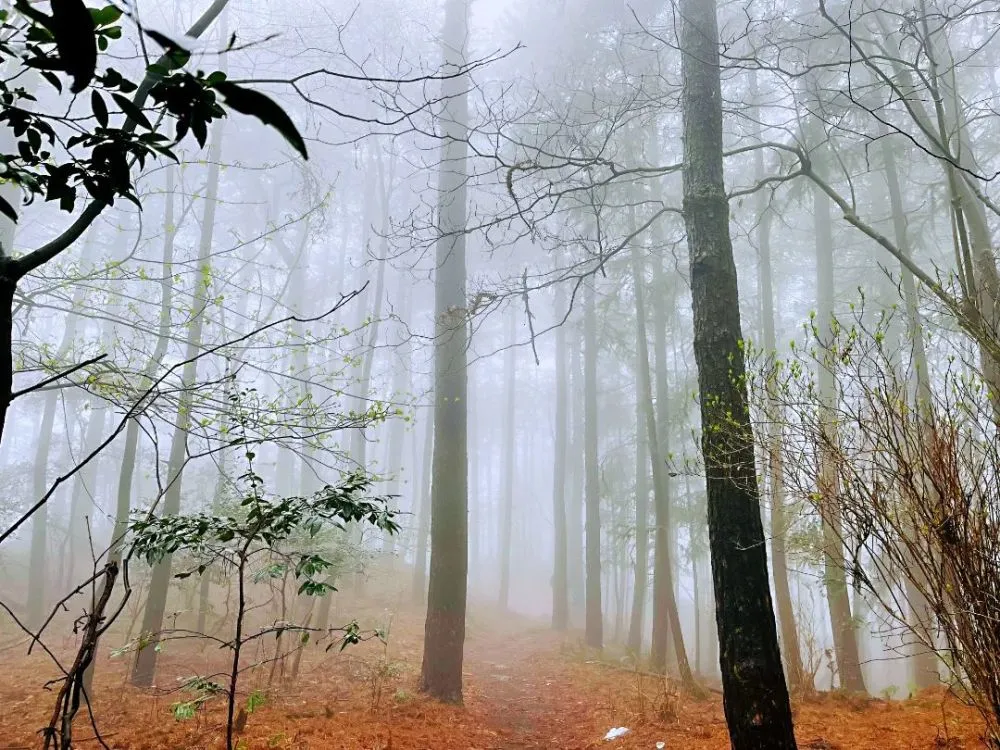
<point x="260" y="528"/>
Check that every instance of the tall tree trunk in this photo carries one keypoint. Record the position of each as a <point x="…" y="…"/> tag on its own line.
<point x="641" y="576"/>
<point x="666" y="618"/>
<point x="842" y="622"/>
<point x="423" y="514"/>
<point x="144" y="668"/>
<point x="664" y="301"/>
<point x="444" y="630"/>
<point x="84" y="486"/>
<point x="475" y="430"/>
<point x="39" y="568"/>
<point x="126" y="473"/>
<point x="359" y="438"/>
<point x="755" y="695"/>
<point x="560" y="581"/>
<point x="920" y="617"/>
<point x="594" y="630"/>
<point x="510" y="457"/>
<point x="775" y="466"/>
<point x="574" y="507"/>
<point x="400" y="385"/>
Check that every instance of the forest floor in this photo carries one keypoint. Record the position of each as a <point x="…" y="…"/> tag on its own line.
<point x="525" y="689"/>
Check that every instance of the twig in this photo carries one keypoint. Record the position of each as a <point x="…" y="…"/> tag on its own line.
<point x="527" y="311"/>
<point x="68" y="701"/>
<point x="58" y="376"/>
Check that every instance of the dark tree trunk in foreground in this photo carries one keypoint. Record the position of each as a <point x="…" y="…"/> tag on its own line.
<point x="594" y="630"/>
<point x="444" y="629"/>
<point x="755" y="696"/>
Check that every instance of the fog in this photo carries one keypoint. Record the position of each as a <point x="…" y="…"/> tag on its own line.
<point x="486" y="299"/>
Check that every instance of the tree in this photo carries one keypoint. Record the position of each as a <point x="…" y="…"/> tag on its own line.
<point x="640" y="580"/>
<point x="924" y="659"/>
<point x="144" y="668"/>
<point x="509" y="454"/>
<point x="775" y="468"/>
<point x="444" y="629"/>
<point x="423" y="494"/>
<point x="258" y="529"/>
<point x="594" y="631"/>
<point x="560" y="571"/>
<point x="842" y="622"/>
<point x="754" y="692"/>
<point x="666" y="619"/>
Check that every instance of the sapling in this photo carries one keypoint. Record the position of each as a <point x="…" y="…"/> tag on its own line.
<point x="257" y="529"/>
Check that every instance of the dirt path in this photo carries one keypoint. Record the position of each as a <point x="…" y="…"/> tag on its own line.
<point x="505" y="676"/>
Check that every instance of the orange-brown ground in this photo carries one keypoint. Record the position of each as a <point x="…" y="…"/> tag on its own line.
<point x="525" y="688"/>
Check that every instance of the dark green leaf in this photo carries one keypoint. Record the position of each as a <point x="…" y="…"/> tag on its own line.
<point x="53" y="79"/>
<point x="100" y="108"/>
<point x="265" y="109"/>
<point x="131" y="111"/>
<point x="178" y="55"/>
<point x="7" y="210"/>
<point x="157" y="71"/>
<point x="105" y="16"/>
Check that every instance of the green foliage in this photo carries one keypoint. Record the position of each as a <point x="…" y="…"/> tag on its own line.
<point x="263" y="525"/>
<point x="255" y="700"/>
<point x="203" y="690"/>
<point x="260" y="538"/>
<point x="58" y="155"/>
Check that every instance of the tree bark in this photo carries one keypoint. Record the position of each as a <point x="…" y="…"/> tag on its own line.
<point x="755" y="700"/>
<point x="444" y="630"/>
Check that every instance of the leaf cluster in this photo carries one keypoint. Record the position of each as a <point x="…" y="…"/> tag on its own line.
<point x="58" y="156"/>
<point x="263" y="524"/>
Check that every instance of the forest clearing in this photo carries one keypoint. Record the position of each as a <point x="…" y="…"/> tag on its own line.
<point x="492" y="374"/>
<point x="527" y="688"/>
